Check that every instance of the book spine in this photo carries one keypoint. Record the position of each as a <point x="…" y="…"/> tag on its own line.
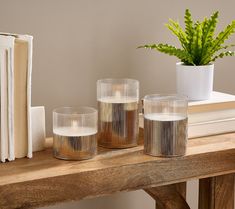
<point x="11" y="103"/>
<point x="3" y="140"/>
<point x="211" y="128"/>
<point x="29" y="81"/>
<point x="7" y="95"/>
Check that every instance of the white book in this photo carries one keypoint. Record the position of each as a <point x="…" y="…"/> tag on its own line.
<point x="38" y="128"/>
<point x="29" y="39"/>
<point x="202" y="117"/>
<point x="21" y="105"/>
<point x="7" y="93"/>
<point x="4" y="119"/>
<point x="219" y="107"/>
<point x="211" y="128"/>
<point x="218" y="101"/>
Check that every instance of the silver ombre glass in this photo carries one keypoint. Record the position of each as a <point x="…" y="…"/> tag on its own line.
<point x="74" y="133"/>
<point x="118" y="112"/>
<point x="165" y="125"/>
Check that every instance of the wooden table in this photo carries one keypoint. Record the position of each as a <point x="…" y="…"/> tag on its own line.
<point x="44" y="180"/>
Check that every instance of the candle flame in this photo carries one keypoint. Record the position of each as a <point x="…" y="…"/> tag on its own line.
<point x="118" y="94"/>
<point x="74" y="124"/>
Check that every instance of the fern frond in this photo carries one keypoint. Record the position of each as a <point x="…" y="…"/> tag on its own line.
<point x="173" y="51"/>
<point x="196" y="45"/>
<point x="223" y="54"/>
<point x="224" y="35"/>
<point x="177" y="30"/>
<point x="219" y="40"/>
<point x="227" y="46"/>
<point x="152" y="46"/>
<point x="208" y="30"/>
<point x="183" y="55"/>
<point x="188" y="27"/>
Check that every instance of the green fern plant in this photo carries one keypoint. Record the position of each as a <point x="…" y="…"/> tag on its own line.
<point x="199" y="44"/>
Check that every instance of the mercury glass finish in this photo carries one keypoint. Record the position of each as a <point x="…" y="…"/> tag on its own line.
<point x="118" y="101"/>
<point x="74" y="133"/>
<point x="165" y="125"/>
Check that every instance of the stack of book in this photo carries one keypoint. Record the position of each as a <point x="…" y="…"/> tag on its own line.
<point x="210" y="117"/>
<point x="213" y="116"/>
<point x="15" y="82"/>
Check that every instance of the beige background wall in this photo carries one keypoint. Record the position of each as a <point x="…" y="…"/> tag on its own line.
<point x="77" y="42"/>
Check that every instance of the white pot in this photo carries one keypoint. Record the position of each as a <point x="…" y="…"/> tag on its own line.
<point x="196" y="82"/>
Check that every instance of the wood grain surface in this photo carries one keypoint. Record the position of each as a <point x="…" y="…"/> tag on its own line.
<point x="44" y="180"/>
<point x="169" y="197"/>
<point x="217" y="192"/>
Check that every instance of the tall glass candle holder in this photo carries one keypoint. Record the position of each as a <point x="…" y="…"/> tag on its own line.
<point x="118" y="125"/>
<point x="75" y="133"/>
<point x="165" y="125"/>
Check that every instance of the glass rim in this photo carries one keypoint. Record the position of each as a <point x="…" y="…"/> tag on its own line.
<point x="60" y="111"/>
<point x="165" y="97"/>
<point x="118" y="80"/>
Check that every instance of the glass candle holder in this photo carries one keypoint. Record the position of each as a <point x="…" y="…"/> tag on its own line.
<point x="118" y="125"/>
<point x="165" y="125"/>
<point x="74" y="133"/>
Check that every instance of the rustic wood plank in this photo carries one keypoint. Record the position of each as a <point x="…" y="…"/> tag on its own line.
<point x="44" y="180"/>
<point x="181" y="188"/>
<point x="217" y="192"/>
<point x="170" y="196"/>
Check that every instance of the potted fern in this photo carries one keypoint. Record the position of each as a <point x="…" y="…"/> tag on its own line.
<point x="199" y="50"/>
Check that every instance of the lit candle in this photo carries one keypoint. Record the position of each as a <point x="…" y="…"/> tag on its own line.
<point x="78" y="140"/>
<point x="118" y="113"/>
<point x="165" y="125"/>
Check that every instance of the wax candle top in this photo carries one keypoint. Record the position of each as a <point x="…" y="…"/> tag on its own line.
<point x="119" y="99"/>
<point x="164" y="116"/>
<point x="74" y="131"/>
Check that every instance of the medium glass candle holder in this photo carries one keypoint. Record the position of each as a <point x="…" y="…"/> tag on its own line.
<point x="165" y="125"/>
<point x="74" y="133"/>
<point x="118" y="112"/>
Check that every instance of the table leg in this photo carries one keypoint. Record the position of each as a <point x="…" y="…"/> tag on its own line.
<point x="217" y="192"/>
<point x="170" y="196"/>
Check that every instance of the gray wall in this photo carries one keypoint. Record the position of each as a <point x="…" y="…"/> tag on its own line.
<point x="77" y="42"/>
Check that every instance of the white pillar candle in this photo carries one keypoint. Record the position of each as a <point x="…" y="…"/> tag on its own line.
<point x="164" y="116"/>
<point x="115" y="99"/>
<point x="75" y="131"/>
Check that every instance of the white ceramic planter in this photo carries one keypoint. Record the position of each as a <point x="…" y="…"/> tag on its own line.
<point x="196" y="82"/>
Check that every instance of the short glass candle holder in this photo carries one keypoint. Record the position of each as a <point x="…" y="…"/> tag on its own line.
<point x="75" y="133"/>
<point x="165" y="125"/>
<point x="118" y="112"/>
